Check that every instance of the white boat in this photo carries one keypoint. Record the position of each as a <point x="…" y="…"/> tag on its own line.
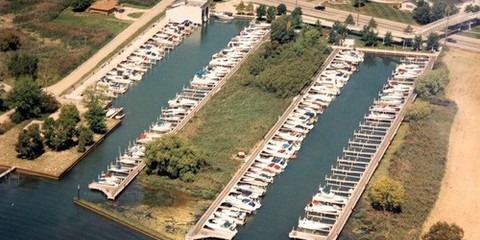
<point x="313" y="225"/>
<point x="222" y="225"/>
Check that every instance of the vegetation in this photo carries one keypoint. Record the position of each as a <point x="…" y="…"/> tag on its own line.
<point x="9" y="41"/>
<point x="388" y="39"/>
<point x="96" y="119"/>
<point x="281" y="9"/>
<point x="377" y="10"/>
<point x="349" y="20"/>
<point x="271" y="13"/>
<point x="430" y="84"/>
<point x="337" y="33"/>
<point x="30" y="143"/>
<point x="240" y="7"/>
<point x="143" y="3"/>
<point x="369" y="35"/>
<point x="297" y="17"/>
<point x="174" y="157"/>
<point x="249" y="8"/>
<point x="386" y="194"/>
<point x="59" y="134"/>
<point x="433" y="42"/>
<point x="419" y="110"/>
<point x="85" y="138"/>
<point x="80" y="5"/>
<point x="358" y="3"/>
<point x="444" y="231"/>
<point x="408" y="29"/>
<point x="282" y="30"/>
<point x="23" y="65"/>
<point x="418" y="164"/>
<point x="417" y="43"/>
<point x="472" y="8"/>
<point x="424" y="14"/>
<point x="261" y="11"/>
<point x="135" y="14"/>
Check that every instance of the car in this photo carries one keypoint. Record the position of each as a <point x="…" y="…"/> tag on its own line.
<point x="320" y="7"/>
<point x="451" y="40"/>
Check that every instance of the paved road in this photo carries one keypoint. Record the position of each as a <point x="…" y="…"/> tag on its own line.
<point x="76" y="76"/>
<point x="463" y="42"/>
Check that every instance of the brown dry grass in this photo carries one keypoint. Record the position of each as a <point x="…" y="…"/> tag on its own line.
<point x="50" y="163"/>
<point x="459" y="195"/>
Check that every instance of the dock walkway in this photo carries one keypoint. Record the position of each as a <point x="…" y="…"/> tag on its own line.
<point x="4" y="174"/>
<point x="198" y="231"/>
<point x="353" y="171"/>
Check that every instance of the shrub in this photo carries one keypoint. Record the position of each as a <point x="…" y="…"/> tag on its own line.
<point x="96" y="119"/>
<point x="9" y="41"/>
<point x="25" y="97"/>
<point x="418" y="111"/>
<point x="281" y="9"/>
<point x="23" y="64"/>
<point x="387" y="194"/>
<point x="431" y="83"/>
<point x="30" y="143"/>
<point x="49" y="103"/>
<point x="80" y="5"/>
<point x="444" y="231"/>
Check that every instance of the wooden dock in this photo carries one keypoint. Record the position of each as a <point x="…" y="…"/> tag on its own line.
<point x="8" y="171"/>
<point x="355" y="168"/>
<point x="198" y="231"/>
<point x="112" y="191"/>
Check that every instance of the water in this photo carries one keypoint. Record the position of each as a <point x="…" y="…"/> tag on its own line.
<point x="35" y="208"/>
<point x="287" y="197"/>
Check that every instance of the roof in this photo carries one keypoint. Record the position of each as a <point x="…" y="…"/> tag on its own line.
<point x="105" y="5"/>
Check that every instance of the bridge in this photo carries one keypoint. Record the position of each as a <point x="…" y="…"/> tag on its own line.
<point x="447" y="22"/>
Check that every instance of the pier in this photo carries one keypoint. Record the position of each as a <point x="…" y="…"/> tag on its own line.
<point x="353" y="170"/>
<point x="199" y="231"/>
<point x="8" y="171"/>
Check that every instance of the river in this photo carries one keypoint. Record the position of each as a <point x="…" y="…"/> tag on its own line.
<point x="36" y="208"/>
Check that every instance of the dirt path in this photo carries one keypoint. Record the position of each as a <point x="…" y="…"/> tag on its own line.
<point x="459" y="199"/>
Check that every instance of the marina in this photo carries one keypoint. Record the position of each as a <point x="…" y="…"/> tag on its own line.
<point x="181" y="108"/>
<point x="329" y="209"/>
<point x="243" y="193"/>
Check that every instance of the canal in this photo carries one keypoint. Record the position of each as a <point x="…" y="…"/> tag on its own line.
<point x="35" y="208"/>
<point x="287" y="197"/>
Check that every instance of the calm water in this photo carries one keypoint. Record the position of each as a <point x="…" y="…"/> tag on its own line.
<point x="287" y="197"/>
<point x="34" y="208"/>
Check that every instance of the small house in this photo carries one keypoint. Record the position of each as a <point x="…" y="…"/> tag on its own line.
<point x="196" y="11"/>
<point x="104" y="7"/>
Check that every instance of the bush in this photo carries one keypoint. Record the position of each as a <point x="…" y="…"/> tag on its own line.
<point x="281" y="9"/>
<point x="49" y="103"/>
<point x="85" y="138"/>
<point x="81" y="5"/>
<point x="25" y="97"/>
<point x="386" y="194"/>
<point x="96" y="119"/>
<point x="444" y="231"/>
<point x="145" y="3"/>
<point x="9" y="41"/>
<point x="174" y="157"/>
<point x="282" y="30"/>
<point x="23" y="64"/>
<point x="431" y="84"/>
<point x="30" y="143"/>
<point x="418" y="111"/>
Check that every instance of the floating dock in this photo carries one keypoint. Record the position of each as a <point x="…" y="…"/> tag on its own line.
<point x="350" y="176"/>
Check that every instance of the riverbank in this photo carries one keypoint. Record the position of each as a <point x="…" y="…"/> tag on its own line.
<point x="459" y="196"/>
<point x="51" y="164"/>
<point x="418" y="164"/>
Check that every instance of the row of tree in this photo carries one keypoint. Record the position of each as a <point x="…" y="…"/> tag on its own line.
<point x="424" y="14"/>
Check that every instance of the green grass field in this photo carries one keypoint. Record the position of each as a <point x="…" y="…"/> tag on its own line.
<point x="92" y="21"/>
<point x="377" y="10"/>
<point x="135" y="14"/>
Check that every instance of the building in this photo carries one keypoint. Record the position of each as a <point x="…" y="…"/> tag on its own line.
<point x="104" y="7"/>
<point x="408" y="5"/>
<point x="196" y="11"/>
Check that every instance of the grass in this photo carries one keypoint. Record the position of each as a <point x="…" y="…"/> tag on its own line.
<point x="377" y="10"/>
<point x="234" y="120"/>
<point x="135" y="14"/>
<point x="473" y="33"/>
<point x="418" y="163"/>
<point x="93" y="21"/>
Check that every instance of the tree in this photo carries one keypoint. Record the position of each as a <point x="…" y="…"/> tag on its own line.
<point x="30" y="143"/>
<point x="443" y="231"/>
<point x="433" y="41"/>
<point x="261" y="11"/>
<point x="49" y="103"/>
<point x="70" y="112"/>
<point x="271" y="13"/>
<point x="92" y="97"/>
<point x="430" y="84"/>
<point x="369" y="36"/>
<point x="372" y="23"/>
<point x="338" y="33"/>
<point x="240" y="7"/>
<point x="318" y="25"/>
<point x="421" y="13"/>
<point x="408" y="29"/>
<point x="282" y="29"/>
<point x="438" y="11"/>
<point x="349" y="20"/>
<point x="23" y="64"/>
<point x="249" y="8"/>
<point x="472" y="8"/>
<point x="388" y="39"/>
<point x="85" y="138"/>
<point x="25" y="97"/>
<point x="80" y="5"/>
<point x="96" y="119"/>
<point x="386" y="194"/>
<point x="9" y="41"/>
<point x="281" y="9"/>
<point x="297" y="17"/>
<point x="174" y="157"/>
<point x="417" y="43"/>
<point x="358" y="3"/>
<point x="59" y="133"/>
<point x="451" y="9"/>
<point x="418" y="110"/>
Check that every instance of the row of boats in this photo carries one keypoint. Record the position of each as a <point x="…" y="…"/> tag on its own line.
<point x="244" y="197"/>
<point x="184" y="103"/>
<point x="131" y="70"/>
<point x="322" y="211"/>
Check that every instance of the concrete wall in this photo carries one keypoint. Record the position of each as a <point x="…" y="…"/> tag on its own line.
<point x="182" y="13"/>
